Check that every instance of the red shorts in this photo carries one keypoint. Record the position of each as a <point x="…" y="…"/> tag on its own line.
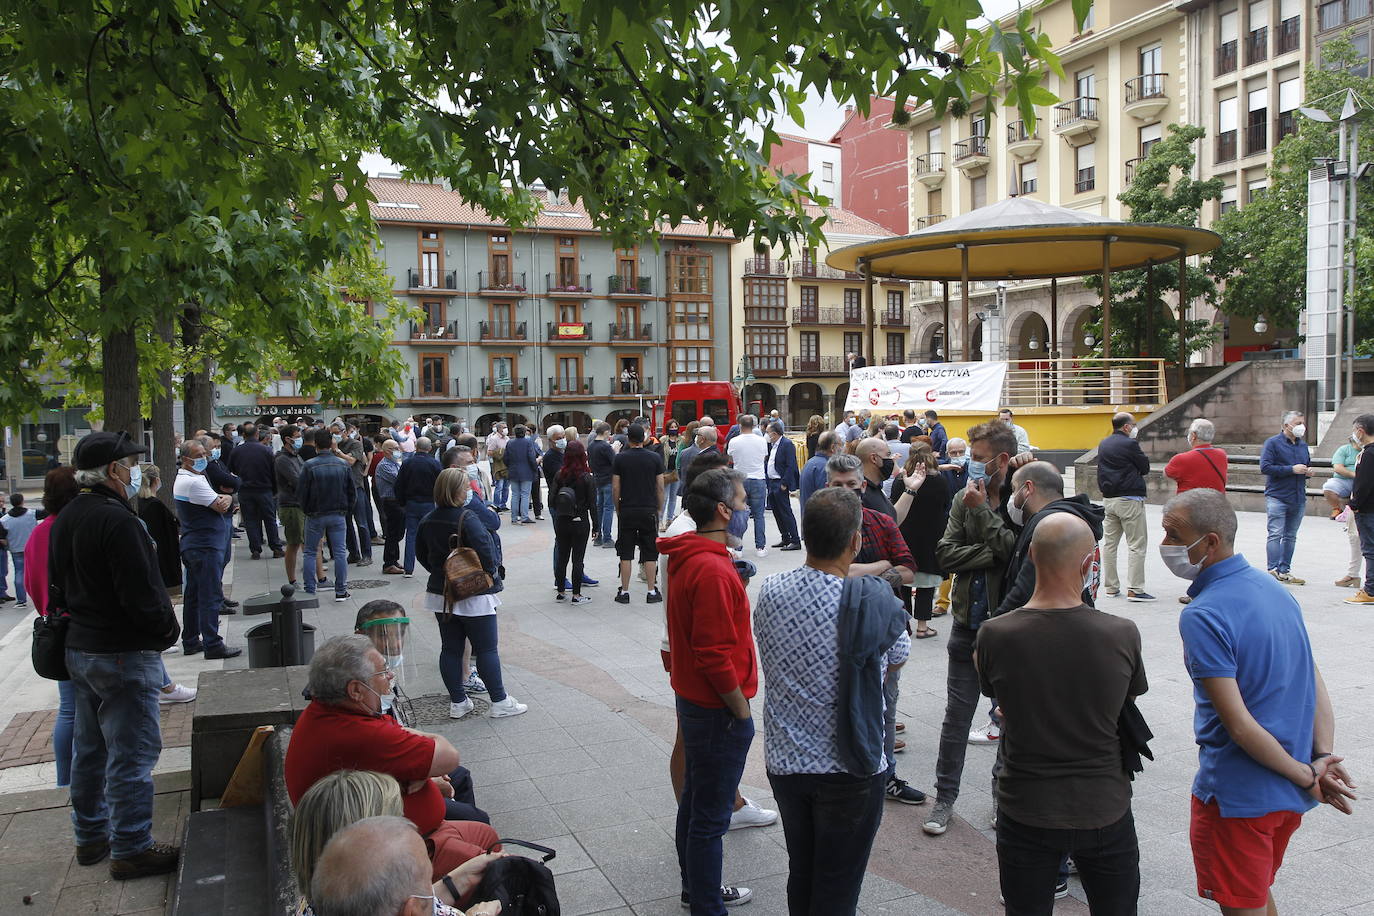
<point x="1236" y="858"/>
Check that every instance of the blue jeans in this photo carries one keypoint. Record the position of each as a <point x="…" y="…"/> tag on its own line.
<point x="19" y="592"/>
<point x="757" y="492"/>
<point x="670" y="491"/>
<point x="259" y="508"/>
<point x="362" y="518"/>
<point x="414" y="512"/>
<point x="1364" y="523"/>
<point x="1284" y="519"/>
<point x="520" y="500"/>
<point x="500" y="492"/>
<point x="891" y="690"/>
<point x="455" y="631"/>
<point x="332" y="527"/>
<point x="203" y="597"/>
<point x="783" y="515"/>
<point x="715" y="745"/>
<point x="62" y="732"/>
<point x="605" y="511"/>
<point x="116" y="743"/>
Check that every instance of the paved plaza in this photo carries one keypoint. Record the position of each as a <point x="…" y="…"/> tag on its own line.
<point x="586" y="769"/>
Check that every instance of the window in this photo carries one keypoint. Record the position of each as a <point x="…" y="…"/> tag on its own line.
<point x="1253" y="189"/>
<point x="896" y="301"/>
<point x="1257" y="122"/>
<point x="978" y="192"/>
<point x="853" y="306"/>
<point x="567" y="277"/>
<point x="1227" y="27"/>
<point x="569" y="377"/>
<point x="811" y="347"/>
<point x="434" y="316"/>
<point x="853" y="342"/>
<point x="767" y="349"/>
<point x="935" y="203"/>
<point x="498" y="257"/>
<point x="765" y="300"/>
<point x="1290" y="97"/>
<point x="810" y="300"/>
<point x="1085" y="168"/>
<point x="935" y="140"/>
<point x="433" y="375"/>
<point x="501" y="375"/>
<point x="1150" y="134"/>
<point x="570" y="313"/>
<point x="1152" y="59"/>
<point x="1030" y="177"/>
<point x="689" y="272"/>
<point x="502" y="315"/>
<point x="1227" y="201"/>
<point x="693" y="364"/>
<point x="691" y="321"/>
<point x="627" y="317"/>
<point x="627" y="267"/>
<point x="1257" y="41"/>
<point x="828" y="171"/>
<point x="1290" y="26"/>
<point x="1088" y="21"/>
<point x="1226" y="129"/>
<point x="896" y="349"/>
<point x="1085" y="84"/>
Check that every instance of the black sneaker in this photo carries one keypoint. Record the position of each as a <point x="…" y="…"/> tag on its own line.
<point x="1061" y="890"/>
<point x="92" y="854"/>
<point x="157" y="859"/>
<point x="561" y="596"/>
<point x="255" y="555"/>
<point x="342" y="596"/>
<point x="654" y="597"/>
<point x="223" y="651"/>
<point x="899" y="791"/>
<point x="622" y="596"/>
<point x="730" y="896"/>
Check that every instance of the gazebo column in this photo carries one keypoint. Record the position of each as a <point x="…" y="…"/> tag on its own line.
<point x="965" y="341"/>
<point x="1052" y="344"/>
<point x="946" y="337"/>
<point x="1182" y="324"/>
<point x="867" y="273"/>
<point x="1107" y="298"/>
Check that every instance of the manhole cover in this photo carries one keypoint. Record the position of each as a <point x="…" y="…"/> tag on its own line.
<point x="432" y="710"/>
<point x="367" y="583"/>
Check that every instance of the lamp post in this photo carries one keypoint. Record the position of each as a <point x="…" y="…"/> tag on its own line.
<point x="744" y="377"/>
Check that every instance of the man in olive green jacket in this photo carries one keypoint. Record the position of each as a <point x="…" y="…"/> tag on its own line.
<point x="976" y="547"/>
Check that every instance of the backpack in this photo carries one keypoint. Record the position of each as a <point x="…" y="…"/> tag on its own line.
<point x="463" y="572"/>
<point x="565" y="501"/>
<point x="523" y="886"/>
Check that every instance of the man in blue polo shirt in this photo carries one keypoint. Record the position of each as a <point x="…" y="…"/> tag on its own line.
<point x="204" y="519"/>
<point x="1264" y="725"/>
<point x="1283" y="462"/>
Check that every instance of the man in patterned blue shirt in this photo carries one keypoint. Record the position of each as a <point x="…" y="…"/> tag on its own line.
<point x="829" y="815"/>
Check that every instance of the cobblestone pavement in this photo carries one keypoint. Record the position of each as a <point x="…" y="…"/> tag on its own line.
<point x="585" y="771"/>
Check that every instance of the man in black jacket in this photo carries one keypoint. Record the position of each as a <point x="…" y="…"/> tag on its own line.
<point x="1362" y="504"/>
<point x="326" y="493"/>
<point x="1121" y="470"/>
<point x="415" y="493"/>
<point x="252" y="461"/>
<point x="103" y="568"/>
<point x="1037" y="491"/>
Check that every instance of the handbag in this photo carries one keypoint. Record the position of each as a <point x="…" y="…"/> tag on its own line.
<point x="523" y="886"/>
<point x="463" y="572"/>
<point x="49" y="650"/>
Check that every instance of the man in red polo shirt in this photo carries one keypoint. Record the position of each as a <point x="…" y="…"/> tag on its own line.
<point x="1203" y="465"/>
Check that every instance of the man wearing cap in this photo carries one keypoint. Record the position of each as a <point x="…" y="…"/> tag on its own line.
<point x="103" y="569"/>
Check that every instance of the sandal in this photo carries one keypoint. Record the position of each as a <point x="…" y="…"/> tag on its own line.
<point x="939" y="612"/>
<point x="930" y="633"/>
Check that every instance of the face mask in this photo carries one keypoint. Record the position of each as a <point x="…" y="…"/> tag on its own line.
<point x="1175" y="556"/>
<point x="739" y="523"/>
<point x="850" y="421"/>
<point x="961" y="460"/>
<point x="977" y="470"/>
<point x="394" y="663"/>
<point x="337" y="439"/>
<point x="135" y="481"/>
<point x="388" y="700"/>
<point x="887" y="467"/>
<point x="474" y="473"/>
<point x="1088" y="576"/>
<point x="1300" y="431"/>
<point x="297" y="442"/>
<point x="1354" y="439"/>
<point x="199" y="465"/>
<point x="1016" y="513"/>
<point x="1133" y="432"/>
<point x="561" y="444"/>
<point x="214" y="454"/>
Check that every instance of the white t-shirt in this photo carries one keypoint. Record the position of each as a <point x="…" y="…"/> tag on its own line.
<point x="193" y="488"/>
<point x="748" y="452"/>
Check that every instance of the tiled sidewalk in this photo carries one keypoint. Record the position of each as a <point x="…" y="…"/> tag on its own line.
<point x="27" y="740"/>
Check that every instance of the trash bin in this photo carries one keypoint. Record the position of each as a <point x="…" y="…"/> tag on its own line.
<point x="286" y="640"/>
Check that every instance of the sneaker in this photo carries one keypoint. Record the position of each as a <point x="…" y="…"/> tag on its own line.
<point x="1348" y="582"/>
<point x="21" y="604"/>
<point x="561" y="596"/>
<point x="458" y="710"/>
<point x="793" y="546"/>
<point x="92" y="854"/>
<point x="654" y="597"/>
<point x="565" y="587"/>
<point x="178" y="694"/>
<point x="342" y="596"/>
<point x="507" y="707"/>
<point x="365" y="561"/>
<point x="751" y="815"/>
<point x="898" y="790"/>
<point x="589" y="582"/>
<point x="157" y="859"/>
<point x="937" y="822"/>
<point x="1290" y="579"/>
<point x="730" y="896"/>
<point x="1061" y="890"/>
<point x="474" y="684"/>
<point x="254" y="555"/>
<point x="1360" y="597"/>
<point x="410" y="575"/>
<point x="1140" y="596"/>
<point x="761" y="552"/>
<point x="988" y="734"/>
<point x="5" y="598"/>
<point x="622" y="596"/>
<point x="580" y="599"/>
<point x="224" y="651"/>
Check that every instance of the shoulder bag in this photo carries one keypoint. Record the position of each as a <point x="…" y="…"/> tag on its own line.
<point x="464" y="576"/>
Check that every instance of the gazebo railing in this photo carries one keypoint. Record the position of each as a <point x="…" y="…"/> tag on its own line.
<point x="1084" y="381"/>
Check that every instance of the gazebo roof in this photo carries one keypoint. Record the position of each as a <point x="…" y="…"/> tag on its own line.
<point x="1020" y="238"/>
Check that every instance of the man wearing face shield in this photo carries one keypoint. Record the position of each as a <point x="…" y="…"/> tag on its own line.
<point x="1284" y="464"/>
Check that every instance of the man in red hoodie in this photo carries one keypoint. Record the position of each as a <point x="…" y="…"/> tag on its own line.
<point x="714" y="674"/>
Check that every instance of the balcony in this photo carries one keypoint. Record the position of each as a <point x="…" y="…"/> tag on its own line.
<point x="499" y="283"/>
<point x="764" y="267"/>
<point x="971" y="156"/>
<point x="574" y="332"/>
<point x="930" y="169"/>
<point x="1289" y="37"/>
<point x="629" y="287"/>
<point x="568" y="287"/>
<point x="424" y="278"/>
<point x="1131" y="166"/>
<point x="894" y="360"/>
<point x="809" y="270"/>
<point x="1226" y="57"/>
<point x="633" y="388"/>
<point x="1257" y="46"/>
<point x="516" y="388"/>
<point x="434" y="390"/>
<point x="1022" y="143"/>
<point x="827" y="316"/>
<point x="1084" y="180"/>
<point x="818" y="365"/>
<point x="925" y="222"/>
<point x="1146" y="96"/>
<point x="1256" y="138"/>
<point x="631" y="334"/>
<point x="570" y="386"/>
<point x="894" y="319"/>
<point x="1076" y="117"/>
<point x="1226" y="146"/>
<point x="445" y="333"/>
<point x="502" y="330"/>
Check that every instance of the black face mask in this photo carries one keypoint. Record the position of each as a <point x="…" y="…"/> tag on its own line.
<point x="888" y="465"/>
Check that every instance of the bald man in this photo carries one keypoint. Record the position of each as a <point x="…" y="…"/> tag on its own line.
<point x="1063" y="672"/>
<point x="878" y="464"/>
<point x="380" y="860"/>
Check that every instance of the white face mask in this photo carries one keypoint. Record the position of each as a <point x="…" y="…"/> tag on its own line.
<point x="1133" y="431"/>
<point x="1175" y="556"/>
<point x="1016" y="513"/>
<point x="1300" y="431"/>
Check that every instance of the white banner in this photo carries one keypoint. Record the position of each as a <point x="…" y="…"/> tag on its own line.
<point x="927" y="386"/>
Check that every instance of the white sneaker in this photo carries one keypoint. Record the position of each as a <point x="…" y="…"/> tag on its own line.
<point x="761" y="552"/>
<point x="178" y="694"/>
<point x="507" y="707"/>
<point x="988" y="734"/>
<point x="751" y="815"/>
<point x="458" y="710"/>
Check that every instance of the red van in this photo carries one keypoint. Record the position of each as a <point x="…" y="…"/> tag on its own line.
<point x="688" y="401"/>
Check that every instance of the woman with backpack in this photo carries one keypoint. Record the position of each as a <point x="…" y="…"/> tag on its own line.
<point x="471" y="619"/>
<point x="573" y="499"/>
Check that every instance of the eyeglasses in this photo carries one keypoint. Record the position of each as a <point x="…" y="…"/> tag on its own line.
<point x="388" y="671"/>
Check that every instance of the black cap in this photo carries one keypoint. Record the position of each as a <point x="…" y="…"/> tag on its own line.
<point x="98" y="449"/>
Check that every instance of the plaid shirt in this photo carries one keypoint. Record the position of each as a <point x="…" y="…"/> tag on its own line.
<point x="882" y="540"/>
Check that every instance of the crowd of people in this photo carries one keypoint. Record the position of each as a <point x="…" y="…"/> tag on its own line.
<point x="897" y="523"/>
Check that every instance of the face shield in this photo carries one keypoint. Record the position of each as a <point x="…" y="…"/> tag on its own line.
<point x="388" y="635"/>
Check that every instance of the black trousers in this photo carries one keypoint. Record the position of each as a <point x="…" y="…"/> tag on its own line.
<point x="393" y="530"/>
<point x="570" y="535"/>
<point x="829" y="821"/>
<point x="259" y="510"/>
<point x="463" y="805"/>
<point x="1108" y="859"/>
<point x="536" y="501"/>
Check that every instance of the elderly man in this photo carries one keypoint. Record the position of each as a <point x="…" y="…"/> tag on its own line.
<point x="782" y="477"/>
<point x="883" y="553"/>
<point x="1066" y="670"/>
<point x="1284" y="464"/>
<point x="103" y="565"/>
<point x="393" y="516"/>
<point x="415" y="493"/>
<point x="1203" y="465"/>
<point x="203" y="515"/>
<point x="1022" y="437"/>
<point x="829" y="786"/>
<point x="1265" y="727"/>
<point x="326" y="493"/>
<point x="1121" y="470"/>
<point x="813" y="473"/>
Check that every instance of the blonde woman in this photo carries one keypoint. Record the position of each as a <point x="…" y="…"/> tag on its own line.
<point x="346" y="797"/>
<point x="814" y="427"/>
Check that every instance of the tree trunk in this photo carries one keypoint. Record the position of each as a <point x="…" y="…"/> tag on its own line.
<point x="197" y="391"/>
<point x="119" y="370"/>
<point x="164" y="446"/>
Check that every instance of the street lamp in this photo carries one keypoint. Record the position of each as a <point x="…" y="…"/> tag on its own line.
<point x="1261" y="326"/>
<point x="744" y="377"/>
<point x="1033" y="343"/>
<point x="1089" y="340"/>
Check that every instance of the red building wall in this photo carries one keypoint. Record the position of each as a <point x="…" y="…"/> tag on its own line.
<point x="790" y="155"/>
<point x="873" y="167"/>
